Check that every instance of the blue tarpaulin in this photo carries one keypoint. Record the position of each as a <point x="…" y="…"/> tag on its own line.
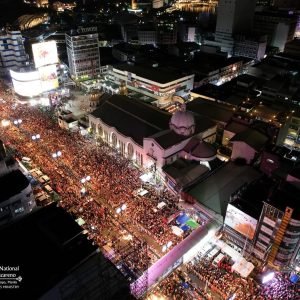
<point x="181" y="219"/>
<point x="185" y="227"/>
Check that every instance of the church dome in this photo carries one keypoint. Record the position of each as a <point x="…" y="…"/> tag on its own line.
<point x="183" y="122"/>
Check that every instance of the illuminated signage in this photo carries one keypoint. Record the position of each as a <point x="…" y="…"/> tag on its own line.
<point x="240" y="222"/>
<point x="48" y="77"/>
<point x="45" y="53"/>
<point x="26" y="84"/>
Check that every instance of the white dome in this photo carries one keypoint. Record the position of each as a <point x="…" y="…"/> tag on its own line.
<point x="183" y="123"/>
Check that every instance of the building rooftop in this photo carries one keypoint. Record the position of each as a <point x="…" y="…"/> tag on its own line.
<point x="200" y="149"/>
<point x="251" y="137"/>
<point x="235" y="127"/>
<point x="287" y="195"/>
<point x="212" y="110"/>
<point x="157" y="74"/>
<point x="11" y="184"/>
<point x="132" y="117"/>
<point x="214" y="192"/>
<point x="169" y="138"/>
<point x="185" y="172"/>
<point x="48" y="246"/>
<point x="250" y="201"/>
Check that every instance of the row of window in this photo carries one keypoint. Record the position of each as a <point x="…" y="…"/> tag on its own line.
<point x="118" y="144"/>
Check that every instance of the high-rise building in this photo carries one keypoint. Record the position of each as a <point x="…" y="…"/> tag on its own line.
<point x="233" y="17"/>
<point x="12" y="51"/>
<point x="83" y="53"/>
<point x="287" y="3"/>
<point x="279" y="26"/>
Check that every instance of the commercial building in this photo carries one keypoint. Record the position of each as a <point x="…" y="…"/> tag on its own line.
<point x="278" y="26"/>
<point x="16" y="197"/>
<point x="147" y="35"/>
<point x="251" y="47"/>
<point x="233" y="17"/>
<point x="12" y="51"/>
<point x="57" y="260"/>
<point x="158" y="83"/>
<point x="83" y="53"/>
<point x="263" y="219"/>
<point x="289" y="134"/>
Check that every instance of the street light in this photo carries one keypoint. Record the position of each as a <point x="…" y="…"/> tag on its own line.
<point x="35" y="137"/>
<point x="56" y="154"/>
<point x="18" y="122"/>
<point x="121" y="209"/>
<point x="85" y="179"/>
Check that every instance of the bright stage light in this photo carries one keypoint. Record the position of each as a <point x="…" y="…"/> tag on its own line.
<point x="268" y="277"/>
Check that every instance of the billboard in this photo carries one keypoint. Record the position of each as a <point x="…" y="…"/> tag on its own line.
<point x="44" y="53"/>
<point x="26" y="84"/>
<point x="48" y="77"/>
<point x="240" y="222"/>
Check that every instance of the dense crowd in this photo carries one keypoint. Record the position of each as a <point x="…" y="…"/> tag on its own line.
<point x="227" y="284"/>
<point x="113" y="183"/>
<point x="138" y="233"/>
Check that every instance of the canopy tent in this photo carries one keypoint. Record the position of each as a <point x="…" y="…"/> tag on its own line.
<point x="160" y="205"/>
<point x="182" y="219"/>
<point x="185" y="227"/>
<point x="192" y="223"/>
<point x="80" y="221"/>
<point x="140" y="192"/>
<point x="177" y="231"/>
<point x="243" y="267"/>
<point x="143" y="192"/>
<point x="146" y="177"/>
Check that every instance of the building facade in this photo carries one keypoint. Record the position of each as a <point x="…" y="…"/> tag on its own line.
<point x="160" y="137"/>
<point x="233" y="17"/>
<point x="12" y="52"/>
<point x="254" y="48"/>
<point x="267" y="227"/>
<point x="153" y="82"/>
<point x="279" y="27"/>
<point x="83" y="53"/>
<point x="16" y="196"/>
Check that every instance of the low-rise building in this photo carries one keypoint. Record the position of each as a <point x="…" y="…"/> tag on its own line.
<point x="156" y="82"/>
<point x="263" y="219"/>
<point x="16" y="197"/>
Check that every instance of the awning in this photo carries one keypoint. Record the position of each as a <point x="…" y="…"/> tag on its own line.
<point x="243" y="267"/>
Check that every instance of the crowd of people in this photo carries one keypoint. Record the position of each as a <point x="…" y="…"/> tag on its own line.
<point x="227" y="284"/>
<point x="113" y="180"/>
<point x="280" y="287"/>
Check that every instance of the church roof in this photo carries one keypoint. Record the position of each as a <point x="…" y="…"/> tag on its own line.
<point x="200" y="149"/>
<point x="132" y="117"/>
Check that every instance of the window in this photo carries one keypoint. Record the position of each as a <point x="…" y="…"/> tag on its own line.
<point x="114" y="140"/>
<point x="130" y="150"/>
<point x="100" y="130"/>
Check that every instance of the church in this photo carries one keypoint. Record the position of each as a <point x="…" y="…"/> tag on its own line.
<point x="152" y="138"/>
